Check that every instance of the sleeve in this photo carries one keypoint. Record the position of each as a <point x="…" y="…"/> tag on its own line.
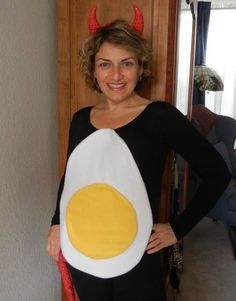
<point x="73" y="126"/>
<point x="208" y="164"/>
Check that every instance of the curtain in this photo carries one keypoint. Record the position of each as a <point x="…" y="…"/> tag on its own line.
<point x="221" y="51"/>
<point x="203" y="18"/>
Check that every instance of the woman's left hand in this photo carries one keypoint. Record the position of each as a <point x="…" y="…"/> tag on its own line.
<point x="163" y="236"/>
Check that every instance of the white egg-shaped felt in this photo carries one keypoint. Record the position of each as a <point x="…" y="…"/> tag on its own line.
<point x="105" y="215"/>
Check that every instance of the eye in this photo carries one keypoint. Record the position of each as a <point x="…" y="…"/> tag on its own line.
<point x="128" y="64"/>
<point x="104" y="65"/>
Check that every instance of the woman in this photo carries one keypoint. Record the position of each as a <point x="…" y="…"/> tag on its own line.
<point x="115" y="61"/>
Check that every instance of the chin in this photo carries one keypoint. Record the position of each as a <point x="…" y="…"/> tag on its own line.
<point x="118" y="96"/>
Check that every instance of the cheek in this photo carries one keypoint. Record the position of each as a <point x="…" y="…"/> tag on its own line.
<point x="100" y="76"/>
<point x="135" y="73"/>
<point x="134" y="77"/>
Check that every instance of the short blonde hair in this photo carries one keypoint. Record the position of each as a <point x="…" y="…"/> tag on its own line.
<point x="119" y="33"/>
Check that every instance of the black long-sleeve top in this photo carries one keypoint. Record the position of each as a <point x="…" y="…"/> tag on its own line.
<point x="150" y="136"/>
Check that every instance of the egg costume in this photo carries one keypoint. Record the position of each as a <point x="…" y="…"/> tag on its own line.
<point x="106" y="219"/>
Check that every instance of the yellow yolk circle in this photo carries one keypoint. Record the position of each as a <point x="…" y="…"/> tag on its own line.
<point x="101" y="222"/>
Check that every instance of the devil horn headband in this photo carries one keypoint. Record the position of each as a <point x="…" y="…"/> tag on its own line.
<point x="138" y="22"/>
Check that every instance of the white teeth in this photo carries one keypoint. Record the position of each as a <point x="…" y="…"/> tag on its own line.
<point x="116" y="86"/>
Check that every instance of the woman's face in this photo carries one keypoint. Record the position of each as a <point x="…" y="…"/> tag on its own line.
<point x="117" y="71"/>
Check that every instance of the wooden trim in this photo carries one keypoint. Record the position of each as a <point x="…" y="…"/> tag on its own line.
<point x="190" y="95"/>
<point x="171" y="72"/>
<point x="159" y="34"/>
<point x="74" y="56"/>
<point x="164" y="38"/>
<point x="63" y="78"/>
<point x="63" y="86"/>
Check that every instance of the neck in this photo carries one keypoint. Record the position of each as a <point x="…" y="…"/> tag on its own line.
<point x="132" y="101"/>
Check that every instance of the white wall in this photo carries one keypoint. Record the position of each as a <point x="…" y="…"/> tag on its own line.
<point x="28" y="149"/>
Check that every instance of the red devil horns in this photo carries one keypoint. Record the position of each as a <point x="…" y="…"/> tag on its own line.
<point x="93" y="24"/>
<point x="138" y="22"/>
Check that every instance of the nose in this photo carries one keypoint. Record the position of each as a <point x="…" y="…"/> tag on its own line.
<point x="116" y="74"/>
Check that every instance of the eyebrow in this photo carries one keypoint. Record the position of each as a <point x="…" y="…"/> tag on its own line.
<point x="107" y="60"/>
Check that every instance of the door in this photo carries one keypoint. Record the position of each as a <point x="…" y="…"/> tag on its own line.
<point x="160" y="28"/>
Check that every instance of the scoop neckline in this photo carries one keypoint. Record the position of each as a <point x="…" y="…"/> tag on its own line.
<point x="124" y="125"/>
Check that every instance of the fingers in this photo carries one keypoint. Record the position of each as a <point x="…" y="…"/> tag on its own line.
<point x="53" y="245"/>
<point x="154" y="246"/>
<point x="163" y="236"/>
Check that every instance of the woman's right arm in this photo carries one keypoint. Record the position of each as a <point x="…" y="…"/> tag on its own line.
<point x="53" y="245"/>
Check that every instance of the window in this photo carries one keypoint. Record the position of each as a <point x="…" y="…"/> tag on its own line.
<point x="184" y="52"/>
<point x="221" y="56"/>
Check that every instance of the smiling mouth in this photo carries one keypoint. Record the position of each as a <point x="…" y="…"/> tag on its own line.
<point x="116" y="87"/>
